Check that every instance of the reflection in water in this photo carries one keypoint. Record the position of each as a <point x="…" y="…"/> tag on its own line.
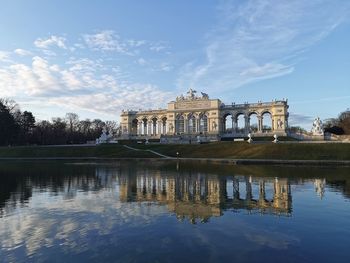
<point x="200" y="196"/>
<point x="139" y="212"/>
<point x="187" y="193"/>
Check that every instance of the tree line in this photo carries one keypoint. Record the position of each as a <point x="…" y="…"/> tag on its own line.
<point x="339" y="125"/>
<point x="22" y="128"/>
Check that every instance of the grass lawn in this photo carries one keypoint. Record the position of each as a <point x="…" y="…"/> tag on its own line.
<point x="234" y="150"/>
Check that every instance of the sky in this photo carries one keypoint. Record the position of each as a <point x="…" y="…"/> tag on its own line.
<point x="96" y="58"/>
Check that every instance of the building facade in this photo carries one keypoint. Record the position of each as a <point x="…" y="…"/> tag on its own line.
<point x="199" y="115"/>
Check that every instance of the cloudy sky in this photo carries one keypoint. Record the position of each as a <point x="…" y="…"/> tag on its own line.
<point x="98" y="57"/>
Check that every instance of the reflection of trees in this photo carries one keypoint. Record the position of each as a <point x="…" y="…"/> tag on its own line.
<point x="19" y="181"/>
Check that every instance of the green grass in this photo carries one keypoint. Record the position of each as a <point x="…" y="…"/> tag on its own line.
<point x="243" y="150"/>
<point x="103" y="151"/>
<point x="234" y="150"/>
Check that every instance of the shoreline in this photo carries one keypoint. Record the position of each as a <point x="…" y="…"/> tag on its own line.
<point x="206" y="160"/>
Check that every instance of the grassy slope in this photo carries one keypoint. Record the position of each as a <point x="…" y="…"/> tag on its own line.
<point x="237" y="150"/>
<point x="110" y="151"/>
<point x="242" y="150"/>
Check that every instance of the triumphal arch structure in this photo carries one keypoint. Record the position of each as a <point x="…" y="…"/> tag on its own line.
<point x="193" y="116"/>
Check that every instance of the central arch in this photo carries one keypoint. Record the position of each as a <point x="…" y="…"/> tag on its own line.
<point x="203" y="123"/>
<point x="266" y="121"/>
<point x="253" y="122"/>
<point x="241" y="127"/>
<point x="163" y="127"/>
<point x="134" y="126"/>
<point x="191" y="123"/>
<point x="228" y="126"/>
<point x="154" y="126"/>
<point x="180" y="124"/>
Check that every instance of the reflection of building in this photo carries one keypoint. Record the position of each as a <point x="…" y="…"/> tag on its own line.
<point x="192" y="115"/>
<point x="319" y="187"/>
<point x="199" y="197"/>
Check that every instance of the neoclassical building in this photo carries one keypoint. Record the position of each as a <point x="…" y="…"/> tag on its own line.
<point x="199" y="115"/>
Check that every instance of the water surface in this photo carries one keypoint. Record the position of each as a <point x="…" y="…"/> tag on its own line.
<point x="172" y="212"/>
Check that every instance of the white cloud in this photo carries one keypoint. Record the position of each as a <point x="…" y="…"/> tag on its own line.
<point x="269" y="70"/>
<point x="112" y="101"/>
<point x="296" y="119"/>
<point x="79" y="84"/>
<point x="51" y="41"/>
<point x="105" y="40"/>
<point x="165" y="67"/>
<point x="158" y="46"/>
<point x="136" y="43"/>
<point x="4" y="56"/>
<point x="22" y="52"/>
<point x="260" y="39"/>
<point x="141" y="61"/>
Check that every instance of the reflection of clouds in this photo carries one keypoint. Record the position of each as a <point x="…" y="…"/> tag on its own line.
<point x="70" y="224"/>
<point x="269" y="239"/>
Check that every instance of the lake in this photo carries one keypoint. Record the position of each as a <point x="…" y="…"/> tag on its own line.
<point x="169" y="211"/>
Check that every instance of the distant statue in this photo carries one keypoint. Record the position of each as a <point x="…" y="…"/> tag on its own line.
<point x="171" y="127"/>
<point x="275" y="138"/>
<point x="191" y="94"/>
<point x="205" y="95"/>
<point x="317" y="127"/>
<point x="180" y="98"/>
<point x="214" y="125"/>
<point x="103" y="137"/>
<point x="250" y="140"/>
<point x="279" y="124"/>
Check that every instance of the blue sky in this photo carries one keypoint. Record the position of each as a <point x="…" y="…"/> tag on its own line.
<point x="98" y="57"/>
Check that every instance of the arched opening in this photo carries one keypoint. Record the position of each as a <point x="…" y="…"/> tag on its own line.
<point x="134" y="126"/>
<point x="266" y="122"/>
<point x="253" y="123"/>
<point x="163" y="128"/>
<point x="228" y="123"/>
<point x="144" y="126"/>
<point x="203" y="123"/>
<point x="154" y="126"/>
<point x="240" y="123"/>
<point x="180" y="124"/>
<point x="191" y="124"/>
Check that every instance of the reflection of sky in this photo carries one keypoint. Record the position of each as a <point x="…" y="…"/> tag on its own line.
<point x="97" y="226"/>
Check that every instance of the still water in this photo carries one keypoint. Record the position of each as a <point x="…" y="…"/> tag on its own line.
<point x="172" y="212"/>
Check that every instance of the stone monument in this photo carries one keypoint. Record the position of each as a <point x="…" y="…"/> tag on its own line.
<point x="104" y="137"/>
<point x="250" y="140"/>
<point x="275" y="138"/>
<point x="317" y="127"/>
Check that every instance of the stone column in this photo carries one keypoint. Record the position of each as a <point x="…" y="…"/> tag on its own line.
<point x="160" y="126"/>
<point x="246" y="125"/>
<point x="260" y="120"/>
<point x="234" y="124"/>
<point x="249" y="194"/>
<point x="138" y="128"/>
<point x="235" y="188"/>
<point x="149" y="130"/>
<point x="262" y="194"/>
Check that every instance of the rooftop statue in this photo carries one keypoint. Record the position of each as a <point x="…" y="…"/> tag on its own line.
<point x="191" y="94"/>
<point x="205" y="96"/>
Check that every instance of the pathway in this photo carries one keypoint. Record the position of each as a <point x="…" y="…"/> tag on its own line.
<point x="156" y="153"/>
